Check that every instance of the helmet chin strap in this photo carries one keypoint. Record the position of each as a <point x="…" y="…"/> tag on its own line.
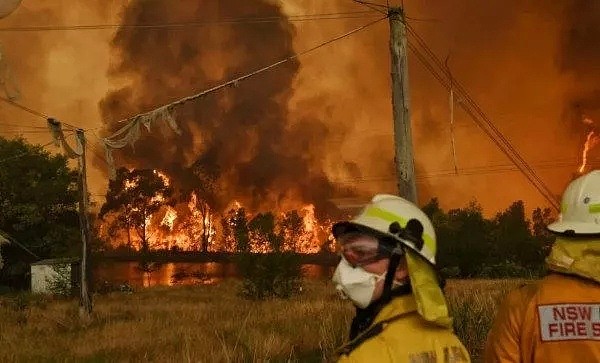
<point x="395" y="258"/>
<point x="364" y="317"/>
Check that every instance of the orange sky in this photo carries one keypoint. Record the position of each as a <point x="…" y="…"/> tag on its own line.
<point x="508" y="55"/>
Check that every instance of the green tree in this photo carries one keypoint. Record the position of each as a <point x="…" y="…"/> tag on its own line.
<point x="540" y="219"/>
<point x="468" y="239"/>
<point x="448" y="250"/>
<point x="38" y="200"/>
<point x="513" y="238"/>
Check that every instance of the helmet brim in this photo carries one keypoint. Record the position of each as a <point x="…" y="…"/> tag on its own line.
<point x="344" y="227"/>
<point x="574" y="228"/>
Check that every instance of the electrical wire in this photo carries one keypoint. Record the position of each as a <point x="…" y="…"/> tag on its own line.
<point x="363" y="2"/>
<point x="20" y="155"/>
<point x="497" y="137"/>
<point x="481" y="170"/>
<point x="372" y="6"/>
<point x="23" y="126"/>
<point x="179" y="25"/>
<point x="474" y="110"/>
<point x="32" y="111"/>
<point x="25" y="108"/>
<point x="235" y="81"/>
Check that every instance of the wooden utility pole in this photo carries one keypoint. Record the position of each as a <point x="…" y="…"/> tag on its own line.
<point x="85" y="301"/>
<point x="405" y="168"/>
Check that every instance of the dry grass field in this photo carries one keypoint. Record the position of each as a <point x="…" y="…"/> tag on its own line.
<point x="209" y="323"/>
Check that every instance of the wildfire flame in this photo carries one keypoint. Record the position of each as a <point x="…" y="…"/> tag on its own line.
<point x="191" y="226"/>
<point x="592" y="139"/>
<point x="169" y="218"/>
<point x="163" y="176"/>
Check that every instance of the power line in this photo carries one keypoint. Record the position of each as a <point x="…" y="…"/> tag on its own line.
<point x="23" y="126"/>
<point x="507" y="168"/>
<point x="362" y="2"/>
<point x="25" y="108"/>
<point x="176" y="25"/>
<point x="235" y="81"/>
<point x="497" y="137"/>
<point x="479" y="116"/>
<point x="373" y="6"/>
<point x="22" y="154"/>
<point x="32" y="111"/>
<point x="23" y="132"/>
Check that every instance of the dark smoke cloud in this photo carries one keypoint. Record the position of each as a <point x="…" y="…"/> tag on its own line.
<point x="580" y="58"/>
<point x="241" y="134"/>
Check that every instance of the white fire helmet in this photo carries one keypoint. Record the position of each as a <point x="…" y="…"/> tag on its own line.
<point x="580" y="207"/>
<point x="381" y="213"/>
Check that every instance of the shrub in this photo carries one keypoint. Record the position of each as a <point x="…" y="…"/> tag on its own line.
<point x="510" y="269"/>
<point x="276" y="274"/>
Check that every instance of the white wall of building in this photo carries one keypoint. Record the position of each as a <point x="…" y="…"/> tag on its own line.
<point x="42" y="276"/>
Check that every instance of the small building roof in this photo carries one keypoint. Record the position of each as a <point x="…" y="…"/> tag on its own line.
<point x="3" y="239"/>
<point x="56" y="261"/>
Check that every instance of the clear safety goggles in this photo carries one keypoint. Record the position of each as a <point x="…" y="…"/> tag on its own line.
<point x="362" y="249"/>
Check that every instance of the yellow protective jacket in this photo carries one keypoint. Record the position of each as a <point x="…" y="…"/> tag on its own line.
<point x="556" y="319"/>
<point x="405" y="337"/>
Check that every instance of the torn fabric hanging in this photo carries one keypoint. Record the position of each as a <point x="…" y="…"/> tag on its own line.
<point x="131" y="132"/>
<point x="59" y="140"/>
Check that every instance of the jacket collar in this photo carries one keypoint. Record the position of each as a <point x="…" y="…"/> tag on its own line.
<point x="400" y="305"/>
<point x="576" y="257"/>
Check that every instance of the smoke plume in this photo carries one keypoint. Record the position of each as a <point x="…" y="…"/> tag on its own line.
<point x="303" y="131"/>
<point x="241" y="135"/>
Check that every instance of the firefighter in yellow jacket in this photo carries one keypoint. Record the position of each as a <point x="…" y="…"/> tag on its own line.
<point x="387" y="271"/>
<point x="558" y="318"/>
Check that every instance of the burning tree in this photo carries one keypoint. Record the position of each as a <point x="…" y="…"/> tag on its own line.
<point x="235" y="230"/>
<point x="263" y="236"/>
<point x="292" y="226"/>
<point x="132" y="198"/>
<point x="266" y="268"/>
<point x="200" y="195"/>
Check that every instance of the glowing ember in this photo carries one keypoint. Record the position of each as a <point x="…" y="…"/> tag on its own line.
<point x="592" y="139"/>
<point x="311" y="243"/>
<point x="169" y="218"/>
<point x="163" y="176"/>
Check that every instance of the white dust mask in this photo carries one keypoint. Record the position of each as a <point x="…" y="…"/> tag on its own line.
<point x="355" y="283"/>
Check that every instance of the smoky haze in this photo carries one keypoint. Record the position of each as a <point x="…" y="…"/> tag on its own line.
<point x="305" y="130"/>
<point x="241" y="135"/>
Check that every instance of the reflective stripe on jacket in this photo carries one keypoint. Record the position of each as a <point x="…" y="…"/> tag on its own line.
<point x="404" y="336"/>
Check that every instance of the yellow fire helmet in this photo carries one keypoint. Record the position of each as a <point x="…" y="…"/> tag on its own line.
<point x="580" y="207"/>
<point x="383" y="217"/>
<point x="382" y="213"/>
